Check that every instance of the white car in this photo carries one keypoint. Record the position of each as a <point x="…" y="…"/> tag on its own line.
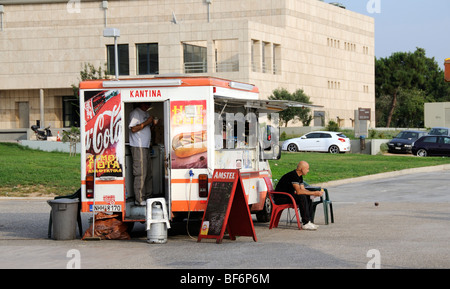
<point x="319" y="141"/>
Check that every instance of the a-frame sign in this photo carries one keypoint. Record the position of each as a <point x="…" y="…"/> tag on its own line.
<point x="227" y="208"/>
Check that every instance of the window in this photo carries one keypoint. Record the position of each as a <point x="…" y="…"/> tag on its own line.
<point x="276" y="59"/>
<point x="313" y="135"/>
<point x="256" y="56"/>
<point x="147" y="58"/>
<point x="439" y="131"/>
<point x="124" y="60"/>
<point x="71" y="116"/>
<point x="226" y="55"/>
<point x="267" y="57"/>
<point x="195" y="60"/>
<point x="319" y="118"/>
<point x="431" y="139"/>
<point x="334" y="84"/>
<point x="366" y="50"/>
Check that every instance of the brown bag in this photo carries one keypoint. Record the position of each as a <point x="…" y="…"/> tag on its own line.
<point x="108" y="227"/>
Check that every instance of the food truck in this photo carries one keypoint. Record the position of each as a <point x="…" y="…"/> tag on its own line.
<point x="200" y="124"/>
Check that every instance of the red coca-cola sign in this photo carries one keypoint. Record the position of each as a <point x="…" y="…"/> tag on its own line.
<point x="103" y="125"/>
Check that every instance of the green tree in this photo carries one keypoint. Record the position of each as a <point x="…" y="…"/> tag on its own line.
<point x="291" y="113"/>
<point x="89" y="71"/>
<point x="411" y="74"/>
<point x="410" y="112"/>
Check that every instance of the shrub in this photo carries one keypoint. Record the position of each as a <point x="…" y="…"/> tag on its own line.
<point x="332" y="126"/>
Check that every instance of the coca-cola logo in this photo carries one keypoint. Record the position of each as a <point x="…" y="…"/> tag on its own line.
<point x="105" y="132"/>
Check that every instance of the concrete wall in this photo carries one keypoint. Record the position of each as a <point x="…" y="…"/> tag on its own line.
<point x="49" y="146"/>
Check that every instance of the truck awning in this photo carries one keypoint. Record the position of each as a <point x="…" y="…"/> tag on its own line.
<point x="262" y="104"/>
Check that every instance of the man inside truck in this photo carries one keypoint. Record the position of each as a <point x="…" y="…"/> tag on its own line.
<point x="140" y="139"/>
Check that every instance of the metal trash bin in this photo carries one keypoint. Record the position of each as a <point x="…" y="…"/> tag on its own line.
<point x="362" y="142"/>
<point x="64" y="218"/>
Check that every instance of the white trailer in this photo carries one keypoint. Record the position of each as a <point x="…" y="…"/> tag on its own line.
<point x="204" y="124"/>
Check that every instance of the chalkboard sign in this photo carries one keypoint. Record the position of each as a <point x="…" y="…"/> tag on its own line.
<point x="218" y="205"/>
<point x="226" y="202"/>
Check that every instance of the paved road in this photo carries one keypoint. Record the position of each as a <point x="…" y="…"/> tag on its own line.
<point x="409" y="229"/>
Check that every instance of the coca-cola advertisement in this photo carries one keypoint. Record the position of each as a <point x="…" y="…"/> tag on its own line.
<point x="103" y="127"/>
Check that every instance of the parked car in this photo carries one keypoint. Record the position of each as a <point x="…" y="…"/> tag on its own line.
<point x="402" y="143"/>
<point x="439" y="131"/>
<point x="319" y="141"/>
<point x="432" y="145"/>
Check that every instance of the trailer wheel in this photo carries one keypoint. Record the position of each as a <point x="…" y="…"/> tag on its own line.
<point x="263" y="216"/>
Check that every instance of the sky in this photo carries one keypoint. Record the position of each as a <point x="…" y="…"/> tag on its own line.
<point x="403" y="25"/>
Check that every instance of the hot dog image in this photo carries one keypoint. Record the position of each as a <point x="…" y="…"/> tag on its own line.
<point x="188" y="144"/>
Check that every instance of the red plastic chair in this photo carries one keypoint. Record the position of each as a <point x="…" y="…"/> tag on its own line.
<point x="278" y="209"/>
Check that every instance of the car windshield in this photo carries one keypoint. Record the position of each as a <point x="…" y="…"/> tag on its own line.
<point x="407" y="135"/>
<point x="439" y="131"/>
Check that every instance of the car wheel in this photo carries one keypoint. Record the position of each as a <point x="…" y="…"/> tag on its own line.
<point x="334" y="149"/>
<point x="292" y="148"/>
<point x="422" y="153"/>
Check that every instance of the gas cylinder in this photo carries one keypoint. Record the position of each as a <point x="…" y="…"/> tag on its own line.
<point x="158" y="230"/>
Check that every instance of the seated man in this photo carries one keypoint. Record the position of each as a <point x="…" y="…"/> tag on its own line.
<point x="292" y="183"/>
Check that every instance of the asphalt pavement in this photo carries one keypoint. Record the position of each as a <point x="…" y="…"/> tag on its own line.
<point x="408" y="229"/>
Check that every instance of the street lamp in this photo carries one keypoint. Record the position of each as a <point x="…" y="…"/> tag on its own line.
<point x="114" y="32"/>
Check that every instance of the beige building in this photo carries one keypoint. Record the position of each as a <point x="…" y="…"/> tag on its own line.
<point x="437" y="114"/>
<point x="325" y="50"/>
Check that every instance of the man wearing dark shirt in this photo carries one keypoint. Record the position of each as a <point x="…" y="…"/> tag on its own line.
<point x="292" y="183"/>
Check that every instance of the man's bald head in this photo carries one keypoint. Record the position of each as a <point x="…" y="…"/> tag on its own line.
<point x="302" y="168"/>
<point x="302" y="164"/>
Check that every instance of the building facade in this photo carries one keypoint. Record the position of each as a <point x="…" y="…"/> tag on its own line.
<point x="294" y="44"/>
<point x="437" y="114"/>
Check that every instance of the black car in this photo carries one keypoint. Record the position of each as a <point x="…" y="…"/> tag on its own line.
<point x="402" y="143"/>
<point x="432" y="145"/>
<point x="440" y="131"/>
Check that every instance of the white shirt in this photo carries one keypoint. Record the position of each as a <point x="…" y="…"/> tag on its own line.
<point x="141" y="138"/>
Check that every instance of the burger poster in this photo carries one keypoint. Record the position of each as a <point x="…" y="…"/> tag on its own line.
<point x="188" y="131"/>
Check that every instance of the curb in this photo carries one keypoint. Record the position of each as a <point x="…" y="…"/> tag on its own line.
<point x="28" y="198"/>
